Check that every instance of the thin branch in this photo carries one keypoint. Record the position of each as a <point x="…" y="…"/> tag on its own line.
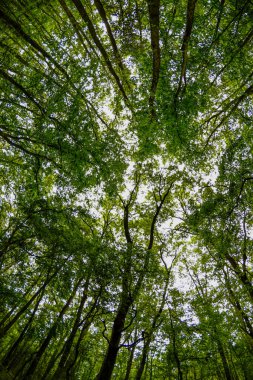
<point x="131" y="321"/>
<point x="103" y="332"/>
<point x="219" y="18"/>
<point x="154" y="20"/>
<point x="99" y="45"/>
<point x="102" y="13"/>
<point x="239" y="195"/>
<point x="130" y="345"/>
<point x="17" y="27"/>
<point x="153" y="223"/>
<point x="235" y="103"/>
<point x="187" y="34"/>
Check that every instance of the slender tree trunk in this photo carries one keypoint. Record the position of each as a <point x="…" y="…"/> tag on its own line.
<point x="175" y="352"/>
<point x="148" y="340"/>
<point x="51" y="363"/>
<point x="30" y="372"/>
<point x="154" y="20"/>
<point x="145" y="352"/>
<point x="129" y="363"/>
<point x="15" y="345"/>
<point x="247" y="326"/>
<point x="61" y="369"/>
<point x="85" y="16"/>
<point x="72" y="361"/>
<point x="224" y="360"/>
<point x="127" y="298"/>
<point x="6" y="328"/>
<point x="9" y="314"/>
<point x="243" y="277"/>
<point x="88" y="320"/>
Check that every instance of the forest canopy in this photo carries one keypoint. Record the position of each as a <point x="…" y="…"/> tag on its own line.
<point x="126" y="161"/>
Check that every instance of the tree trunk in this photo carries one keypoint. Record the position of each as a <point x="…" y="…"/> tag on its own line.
<point x="61" y="369"/>
<point x="72" y="361"/>
<point x="88" y="320"/>
<point x="15" y="345"/>
<point x="112" y="351"/>
<point x="129" y="363"/>
<point x="6" y="328"/>
<point x="145" y="352"/>
<point x="224" y="360"/>
<point x="29" y="373"/>
<point x="9" y="314"/>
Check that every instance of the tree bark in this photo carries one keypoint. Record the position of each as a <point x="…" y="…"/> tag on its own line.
<point x="129" y="363"/>
<point x="112" y="351"/>
<point x="99" y="45"/>
<point x="15" y="345"/>
<point x="6" y="328"/>
<point x="62" y="366"/>
<point x="144" y="356"/>
<point x="187" y="34"/>
<point x="30" y="372"/>
<point x="224" y="360"/>
<point x="154" y="20"/>
<point x="102" y="13"/>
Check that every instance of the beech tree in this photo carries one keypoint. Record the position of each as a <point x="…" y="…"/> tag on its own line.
<point x="126" y="223"/>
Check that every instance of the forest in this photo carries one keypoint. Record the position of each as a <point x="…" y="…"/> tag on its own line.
<point x="126" y="189"/>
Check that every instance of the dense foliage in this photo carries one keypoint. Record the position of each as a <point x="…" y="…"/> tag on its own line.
<point x="126" y="224"/>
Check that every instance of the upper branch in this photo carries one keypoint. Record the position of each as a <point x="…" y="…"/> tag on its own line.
<point x="154" y="19"/>
<point x="153" y="223"/>
<point x="187" y="34"/>
<point x="102" y="13"/>
<point x="99" y="45"/>
<point x="126" y="224"/>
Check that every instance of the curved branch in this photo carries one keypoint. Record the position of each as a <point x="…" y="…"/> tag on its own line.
<point x="153" y="223"/>
<point x="187" y="34"/>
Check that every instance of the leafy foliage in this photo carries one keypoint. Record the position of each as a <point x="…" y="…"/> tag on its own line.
<point x="126" y="189"/>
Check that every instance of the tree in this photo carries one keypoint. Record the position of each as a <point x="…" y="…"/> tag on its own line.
<point x="126" y="189"/>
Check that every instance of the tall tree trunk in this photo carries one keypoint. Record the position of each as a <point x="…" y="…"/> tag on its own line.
<point x="86" y="324"/>
<point x="224" y="360"/>
<point x="15" y="345"/>
<point x="130" y="359"/>
<point x="145" y="352"/>
<point x="127" y="298"/>
<point x="175" y="351"/>
<point x="7" y="327"/>
<point x="61" y="369"/>
<point x="129" y="363"/>
<point x="154" y="20"/>
<point x="30" y="372"/>
<point x="85" y="17"/>
<point x="154" y="325"/>
<point x="112" y="351"/>
<point x="51" y="363"/>
<point x="72" y="361"/>
<point x="9" y="314"/>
